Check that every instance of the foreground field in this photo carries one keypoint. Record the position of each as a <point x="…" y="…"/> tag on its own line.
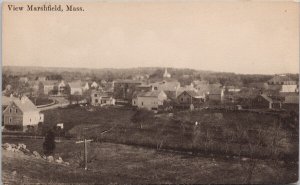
<point x="115" y="163"/>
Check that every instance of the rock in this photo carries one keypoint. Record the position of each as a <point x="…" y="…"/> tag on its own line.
<point x="25" y="151"/>
<point x="14" y="172"/>
<point x="59" y="160"/>
<point x="7" y="146"/>
<point x="36" y="154"/>
<point x="50" y="159"/>
<point x="67" y="163"/>
<point x="13" y="146"/>
<point x="44" y="157"/>
<point x="21" y="145"/>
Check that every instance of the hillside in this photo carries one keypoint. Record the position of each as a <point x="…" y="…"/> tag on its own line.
<point x="115" y="163"/>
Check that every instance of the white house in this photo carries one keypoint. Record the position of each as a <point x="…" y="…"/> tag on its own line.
<point x="94" y="85"/>
<point x="99" y="98"/>
<point x="75" y="88"/>
<point x="21" y="113"/>
<point x="289" y="88"/>
<point x="150" y="100"/>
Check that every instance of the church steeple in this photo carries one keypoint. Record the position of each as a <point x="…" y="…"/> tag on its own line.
<point x="166" y="74"/>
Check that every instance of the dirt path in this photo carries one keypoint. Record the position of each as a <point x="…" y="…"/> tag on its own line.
<point x="60" y="102"/>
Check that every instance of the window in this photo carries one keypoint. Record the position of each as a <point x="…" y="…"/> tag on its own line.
<point x="181" y="99"/>
<point x="10" y="110"/>
<point x="10" y="120"/>
<point x="95" y="95"/>
<point x="96" y="101"/>
<point x="30" y="120"/>
<point x="16" y="110"/>
<point x="142" y="103"/>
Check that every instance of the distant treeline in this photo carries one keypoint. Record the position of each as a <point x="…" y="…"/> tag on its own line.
<point x="184" y="76"/>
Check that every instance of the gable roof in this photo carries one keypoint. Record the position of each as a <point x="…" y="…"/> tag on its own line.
<point x="75" y="84"/>
<point x="50" y="82"/>
<point x="193" y="94"/>
<point x="269" y="99"/>
<point x="166" y="85"/>
<point x="7" y="100"/>
<point x="280" y="78"/>
<point x="214" y="89"/>
<point x="25" y="105"/>
<point x="150" y="93"/>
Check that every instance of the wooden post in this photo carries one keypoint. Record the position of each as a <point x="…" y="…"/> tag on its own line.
<point x="85" y="151"/>
<point x="85" y="154"/>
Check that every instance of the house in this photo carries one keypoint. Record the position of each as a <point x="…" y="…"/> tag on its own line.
<point x="75" y="88"/>
<point x="49" y="86"/>
<point x="232" y="89"/>
<point x="289" y="88"/>
<point x="21" y="114"/>
<point x="199" y="83"/>
<point x="278" y="81"/>
<point x="42" y="78"/>
<point x="144" y="88"/>
<point x="5" y="103"/>
<point x="101" y="98"/>
<point x="165" y="85"/>
<point x="62" y="88"/>
<point x="24" y="79"/>
<point x="125" y="88"/>
<point x="37" y="86"/>
<point x="94" y="85"/>
<point x="150" y="100"/>
<point x="265" y="102"/>
<point x="215" y="93"/>
<point x="291" y="102"/>
<point x="189" y="97"/>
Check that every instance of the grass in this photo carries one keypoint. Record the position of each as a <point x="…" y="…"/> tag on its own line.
<point x="218" y="132"/>
<point x="123" y="164"/>
<point x="41" y="101"/>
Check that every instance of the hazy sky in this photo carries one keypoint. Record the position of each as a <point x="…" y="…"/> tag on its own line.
<point x="241" y="37"/>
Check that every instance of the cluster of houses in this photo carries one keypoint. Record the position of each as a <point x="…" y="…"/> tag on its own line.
<point x="169" y="93"/>
<point x="277" y="93"/>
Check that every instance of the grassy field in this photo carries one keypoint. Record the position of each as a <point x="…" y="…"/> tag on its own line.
<point x="115" y="163"/>
<point x="41" y="101"/>
<point x="217" y="132"/>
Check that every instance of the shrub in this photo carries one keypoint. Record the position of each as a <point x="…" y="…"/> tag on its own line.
<point x="49" y="143"/>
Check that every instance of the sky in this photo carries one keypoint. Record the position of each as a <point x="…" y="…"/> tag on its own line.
<point x="234" y="36"/>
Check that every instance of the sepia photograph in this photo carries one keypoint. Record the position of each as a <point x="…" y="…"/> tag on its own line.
<point x="150" y="92"/>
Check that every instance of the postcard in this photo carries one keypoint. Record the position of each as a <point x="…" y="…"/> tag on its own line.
<point x="150" y="92"/>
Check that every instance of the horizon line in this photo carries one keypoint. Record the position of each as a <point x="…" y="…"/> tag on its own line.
<point x="120" y="68"/>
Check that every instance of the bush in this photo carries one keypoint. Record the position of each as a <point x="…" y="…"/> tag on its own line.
<point x="49" y="143"/>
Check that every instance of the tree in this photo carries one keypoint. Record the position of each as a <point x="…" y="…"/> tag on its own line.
<point x="49" y="143"/>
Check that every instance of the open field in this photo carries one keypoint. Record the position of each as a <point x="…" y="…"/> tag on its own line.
<point x="223" y="133"/>
<point x="116" y="163"/>
<point x="41" y="101"/>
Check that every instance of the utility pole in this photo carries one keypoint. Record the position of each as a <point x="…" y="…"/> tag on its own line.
<point x="85" y="149"/>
